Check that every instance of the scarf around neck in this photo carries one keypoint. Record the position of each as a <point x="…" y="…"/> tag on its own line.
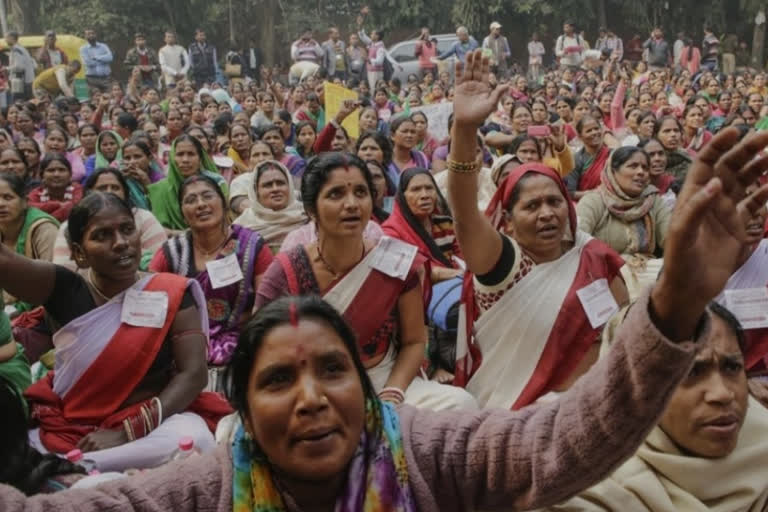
<point x="101" y="160"/>
<point x="377" y="474"/>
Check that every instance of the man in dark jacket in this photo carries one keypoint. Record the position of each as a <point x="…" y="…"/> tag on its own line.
<point x="144" y="58"/>
<point x="203" y="59"/>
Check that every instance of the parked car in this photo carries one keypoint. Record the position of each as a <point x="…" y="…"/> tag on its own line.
<point x="403" y="58"/>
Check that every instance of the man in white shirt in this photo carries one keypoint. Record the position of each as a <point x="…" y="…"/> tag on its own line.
<point x="570" y="48"/>
<point x="174" y="60"/>
<point x="677" y="49"/>
<point x="535" y="57"/>
<point x="21" y="67"/>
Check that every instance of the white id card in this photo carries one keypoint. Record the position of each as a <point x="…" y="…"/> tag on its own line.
<point x="393" y="257"/>
<point x="144" y="309"/>
<point x="224" y="272"/>
<point x="598" y="302"/>
<point x="749" y="305"/>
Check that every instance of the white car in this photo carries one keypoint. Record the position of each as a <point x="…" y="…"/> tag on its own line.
<point x="403" y="59"/>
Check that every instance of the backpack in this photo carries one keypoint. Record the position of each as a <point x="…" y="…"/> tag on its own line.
<point x="389" y="70"/>
<point x="443" y="316"/>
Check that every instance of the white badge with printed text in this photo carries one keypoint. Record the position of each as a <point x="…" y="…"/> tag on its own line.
<point x="598" y="302"/>
<point x="144" y="309"/>
<point x="394" y="257"/>
<point x="224" y="272"/>
<point x="750" y="306"/>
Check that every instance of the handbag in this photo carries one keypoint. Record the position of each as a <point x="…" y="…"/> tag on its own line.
<point x="231" y="70"/>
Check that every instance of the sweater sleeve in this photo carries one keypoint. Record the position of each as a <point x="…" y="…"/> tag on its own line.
<point x="201" y="484"/>
<point x="325" y="138"/>
<point x="589" y="210"/>
<point x="545" y="453"/>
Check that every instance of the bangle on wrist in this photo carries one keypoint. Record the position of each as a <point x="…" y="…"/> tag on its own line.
<point x="463" y="167"/>
<point x="392" y="394"/>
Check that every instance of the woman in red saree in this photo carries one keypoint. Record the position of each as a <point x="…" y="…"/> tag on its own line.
<point x="130" y="357"/>
<point x="590" y="160"/>
<point x="376" y="287"/>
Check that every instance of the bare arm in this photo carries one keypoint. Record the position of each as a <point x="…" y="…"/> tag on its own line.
<point x="499" y="140"/>
<point x="28" y="280"/>
<point x="473" y="101"/>
<point x="410" y="310"/>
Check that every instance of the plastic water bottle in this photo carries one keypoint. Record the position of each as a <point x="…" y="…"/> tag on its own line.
<point x="186" y="449"/>
<point x="76" y="457"/>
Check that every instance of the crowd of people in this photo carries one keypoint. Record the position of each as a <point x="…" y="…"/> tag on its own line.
<point x="562" y="305"/>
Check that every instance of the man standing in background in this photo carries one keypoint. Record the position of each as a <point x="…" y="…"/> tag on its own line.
<point x="49" y="54"/>
<point x="570" y="47"/>
<point x="335" y="55"/>
<point x="144" y="58"/>
<point x="535" y="57"/>
<point x="97" y="58"/>
<point x="174" y="60"/>
<point x="659" y="52"/>
<point x="203" y="60"/>
<point x="21" y="67"/>
<point x="498" y="47"/>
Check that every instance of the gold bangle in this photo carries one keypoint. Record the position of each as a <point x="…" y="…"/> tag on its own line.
<point x="463" y="167"/>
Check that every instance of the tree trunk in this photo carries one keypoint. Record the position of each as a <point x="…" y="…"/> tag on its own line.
<point x="26" y="15"/>
<point x="601" y="15"/>
<point x="268" y="14"/>
<point x="758" y="44"/>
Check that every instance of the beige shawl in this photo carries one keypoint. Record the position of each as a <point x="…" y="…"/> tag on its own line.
<point x="270" y="224"/>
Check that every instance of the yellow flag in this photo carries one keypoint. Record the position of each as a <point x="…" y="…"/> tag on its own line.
<point x="334" y="97"/>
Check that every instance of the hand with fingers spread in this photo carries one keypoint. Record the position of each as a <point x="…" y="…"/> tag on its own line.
<point x="473" y="98"/>
<point x="706" y="233"/>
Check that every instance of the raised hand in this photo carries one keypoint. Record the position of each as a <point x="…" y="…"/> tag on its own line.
<point x="473" y="98"/>
<point x="706" y="233"/>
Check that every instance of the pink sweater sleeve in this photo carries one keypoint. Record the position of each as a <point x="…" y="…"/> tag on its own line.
<point x="618" y="119"/>
<point x="545" y="453"/>
<point x="198" y="484"/>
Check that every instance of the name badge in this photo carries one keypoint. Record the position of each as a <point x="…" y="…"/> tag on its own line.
<point x="224" y="271"/>
<point x="750" y="306"/>
<point x="144" y="309"/>
<point x="598" y="302"/>
<point x="393" y="257"/>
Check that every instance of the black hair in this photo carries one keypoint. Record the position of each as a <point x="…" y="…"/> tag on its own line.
<point x="91" y="181"/>
<point x="583" y="121"/>
<point x="185" y="137"/>
<point x="202" y="178"/>
<point x="660" y="122"/>
<point x="266" y="128"/>
<point x="391" y="188"/>
<point x="382" y="141"/>
<point x="644" y="142"/>
<point x="87" y="208"/>
<point x="266" y="166"/>
<point x="23" y="466"/>
<point x="128" y="121"/>
<point x="59" y="129"/>
<point x="16" y="183"/>
<point x="731" y="321"/>
<point x="644" y="114"/>
<point x="518" y="141"/>
<point x="20" y="154"/>
<point x="55" y="157"/>
<point x="623" y="154"/>
<point x="285" y="116"/>
<point x="279" y="312"/>
<point x="247" y="129"/>
<point x="396" y="122"/>
<point x="258" y="141"/>
<point x="565" y="99"/>
<point x="34" y="143"/>
<point x="222" y="123"/>
<point x="318" y="170"/>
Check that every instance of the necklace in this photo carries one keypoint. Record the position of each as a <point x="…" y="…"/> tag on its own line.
<point x="210" y="253"/>
<point x="98" y="290"/>
<point x="329" y="268"/>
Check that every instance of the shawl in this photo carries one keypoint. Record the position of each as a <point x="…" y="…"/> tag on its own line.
<point x="593" y="167"/>
<point x="660" y="478"/>
<point x="377" y="475"/>
<point x="403" y="224"/>
<point x="633" y="211"/>
<point x="164" y="195"/>
<point x="101" y="160"/>
<point x="272" y="225"/>
<point x="678" y="162"/>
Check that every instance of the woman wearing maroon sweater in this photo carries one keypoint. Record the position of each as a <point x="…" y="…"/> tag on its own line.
<point x="314" y="437"/>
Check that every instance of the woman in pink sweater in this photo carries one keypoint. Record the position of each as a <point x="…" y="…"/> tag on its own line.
<point x="316" y="438"/>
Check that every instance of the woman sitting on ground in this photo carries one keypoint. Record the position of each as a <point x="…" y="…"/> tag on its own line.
<point x="590" y="160"/>
<point x="187" y="158"/>
<point x="384" y="306"/>
<point x="274" y="210"/>
<point x="108" y="152"/>
<point x="627" y="213"/>
<point x="708" y="450"/>
<point x="227" y="261"/>
<point x="112" y="181"/>
<point x="57" y="193"/>
<point x="669" y="132"/>
<point x="128" y="365"/>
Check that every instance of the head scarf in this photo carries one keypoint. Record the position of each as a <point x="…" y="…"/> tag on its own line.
<point x="164" y="195"/>
<point x="498" y="167"/>
<point x="500" y="201"/>
<point x="222" y="96"/>
<point x="272" y="225"/>
<point x="634" y="211"/>
<point x="101" y="160"/>
<point x="377" y="475"/>
<point x="403" y="224"/>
